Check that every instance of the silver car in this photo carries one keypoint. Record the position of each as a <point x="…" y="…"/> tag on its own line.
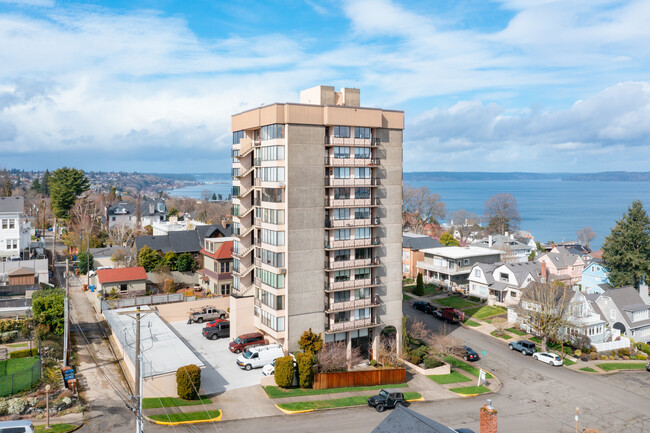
<point x="549" y="358"/>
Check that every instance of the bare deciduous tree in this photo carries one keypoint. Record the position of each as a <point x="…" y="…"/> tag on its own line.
<point x="333" y="357"/>
<point x="502" y="212"/>
<point x="120" y="234"/>
<point x="123" y="257"/>
<point x="387" y="352"/>
<point x="422" y="206"/>
<point x="500" y="325"/>
<point x="465" y="223"/>
<point x="418" y="329"/>
<point x="585" y="236"/>
<point x="444" y="343"/>
<point x="545" y="309"/>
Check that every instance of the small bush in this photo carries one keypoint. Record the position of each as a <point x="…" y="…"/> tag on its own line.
<point x="577" y="353"/>
<point x="624" y="351"/>
<point x="23" y="353"/>
<point x="188" y="382"/>
<point x="16" y="406"/>
<point x="284" y="371"/>
<point x="373" y="362"/>
<point x="593" y="356"/>
<point x="431" y="362"/>
<point x="643" y="347"/>
<point x="419" y="286"/>
<point x="641" y="356"/>
<point x="305" y="363"/>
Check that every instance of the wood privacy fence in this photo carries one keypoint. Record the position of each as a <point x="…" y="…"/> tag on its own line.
<point x="382" y="376"/>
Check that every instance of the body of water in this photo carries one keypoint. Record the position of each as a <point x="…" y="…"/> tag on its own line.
<point x="552" y="210"/>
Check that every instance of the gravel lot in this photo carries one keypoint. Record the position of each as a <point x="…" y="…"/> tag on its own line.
<point x="222" y="372"/>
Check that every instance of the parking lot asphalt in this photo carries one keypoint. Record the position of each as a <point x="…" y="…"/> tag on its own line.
<point x="222" y="372"/>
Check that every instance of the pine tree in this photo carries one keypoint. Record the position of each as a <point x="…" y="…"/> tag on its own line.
<point x="36" y="186"/>
<point x="626" y="251"/>
<point x="65" y="185"/>
<point x="6" y="184"/>
<point x="419" y="286"/>
<point x="45" y="183"/>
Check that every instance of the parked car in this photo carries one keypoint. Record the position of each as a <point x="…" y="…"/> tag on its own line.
<point x="425" y="307"/>
<point x="259" y="356"/>
<point x="203" y="314"/>
<point x="23" y="426"/>
<point x="240" y="343"/>
<point x="524" y="346"/>
<point x="269" y="369"/>
<point x="93" y="272"/>
<point x="468" y="353"/>
<point x="214" y="322"/>
<point x="387" y="398"/>
<point x="549" y="358"/>
<point x="220" y="330"/>
<point x="647" y="366"/>
<point x="437" y="314"/>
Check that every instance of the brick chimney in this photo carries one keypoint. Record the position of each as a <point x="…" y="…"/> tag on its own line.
<point x="488" y="418"/>
<point x="543" y="272"/>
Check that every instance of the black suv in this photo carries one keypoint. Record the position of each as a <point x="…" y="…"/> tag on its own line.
<point x="219" y="330"/>
<point x="524" y="346"/>
<point x="425" y="307"/>
<point x="387" y="398"/>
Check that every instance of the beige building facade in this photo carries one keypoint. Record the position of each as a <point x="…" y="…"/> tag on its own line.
<point x="317" y="196"/>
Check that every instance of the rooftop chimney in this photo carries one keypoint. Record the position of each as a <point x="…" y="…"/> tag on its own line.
<point x="543" y="279"/>
<point x="223" y="223"/>
<point x="643" y="292"/>
<point x="490" y="241"/>
<point x="488" y="418"/>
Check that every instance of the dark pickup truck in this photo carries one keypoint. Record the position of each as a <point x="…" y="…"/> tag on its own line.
<point x="219" y="330"/>
<point x="387" y="398"/>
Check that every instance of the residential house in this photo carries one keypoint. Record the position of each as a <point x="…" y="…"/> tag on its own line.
<point x="502" y="283"/>
<point x="451" y="266"/>
<point x="217" y="266"/>
<point x="627" y="310"/>
<point x="124" y="281"/>
<point x="412" y="246"/>
<point x="102" y="256"/>
<point x="126" y="214"/>
<point x="15" y="233"/>
<point x="515" y="250"/>
<point x="564" y="264"/>
<point x="403" y="419"/>
<point x="594" y="275"/>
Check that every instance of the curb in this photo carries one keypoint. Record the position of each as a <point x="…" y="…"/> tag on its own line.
<point x="291" y="412"/>
<point x="174" y="423"/>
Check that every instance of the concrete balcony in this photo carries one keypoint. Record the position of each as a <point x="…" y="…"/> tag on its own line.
<point x="351" y="243"/>
<point x="331" y="265"/>
<point x="366" y="222"/>
<point x="340" y="141"/>
<point x="334" y="286"/>
<point x="332" y="327"/>
<point x="351" y="202"/>
<point x="334" y="307"/>
<point x="351" y="162"/>
<point x="331" y="181"/>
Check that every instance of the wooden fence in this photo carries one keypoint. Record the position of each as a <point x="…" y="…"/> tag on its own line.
<point x="379" y="376"/>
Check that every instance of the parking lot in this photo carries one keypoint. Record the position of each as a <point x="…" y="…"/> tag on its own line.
<point x="222" y="372"/>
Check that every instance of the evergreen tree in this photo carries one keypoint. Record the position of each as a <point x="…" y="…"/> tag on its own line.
<point x="148" y="258"/>
<point x="447" y="239"/>
<point x="36" y="186"/>
<point x="6" y="184"/>
<point x="214" y="197"/>
<point x="45" y="183"/>
<point x="626" y="251"/>
<point x="419" y="286"/>
<point x="65" y="185"/>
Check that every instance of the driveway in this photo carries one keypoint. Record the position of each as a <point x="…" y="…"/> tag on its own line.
<point x="222" y="372"/>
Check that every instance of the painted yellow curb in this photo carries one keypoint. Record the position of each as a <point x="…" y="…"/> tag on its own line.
<point x="291" y="412"/>
<point x="198" y="421"/>
<point x="416" y="399"/>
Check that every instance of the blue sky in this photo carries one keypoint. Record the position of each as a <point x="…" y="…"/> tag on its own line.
<point x="504" y="85"/>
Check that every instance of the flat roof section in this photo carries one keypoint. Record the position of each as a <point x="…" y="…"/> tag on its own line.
<point x="462" y="252"/>
<point x="163" y="352"/>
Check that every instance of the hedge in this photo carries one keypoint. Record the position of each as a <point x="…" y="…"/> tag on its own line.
<point x="305" y="369"/>
<point x="188" y="382"/>
<point x="26" y="353"/>
<point x="284" y="371"/>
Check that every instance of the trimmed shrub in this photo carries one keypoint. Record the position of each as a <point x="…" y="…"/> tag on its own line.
<point x="430" y="362"/>
<point x="188" y="382"/>
<point x="373" y="362"/>
<point x="24" y="353"/>
<point x="284" y="372"/>
<point x="593" y="356"/>
<point x="305" y="371"/>
<point x="577" y="353"/>
<point x="641" y="356"/>
<point x="643" y="347"/>
<point x="310" y="342"/>
<point x="419" y="286"/>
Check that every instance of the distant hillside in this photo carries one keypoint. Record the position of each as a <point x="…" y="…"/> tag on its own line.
<point x="613" y="176"/>
<point x="445" y="176"/>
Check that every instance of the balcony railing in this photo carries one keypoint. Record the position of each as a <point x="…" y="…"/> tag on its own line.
<point x="340" y="141"/>
<point x="334" y="223"/>
<point x="243" y="253"/>
<point x="354" y="263"/>
<point x="340" y="285"/>
<point x="331" y="181"/>
<point x="351" y="162"/>
<point x="351" y="243"/>
<point x="350" y="325"/>
<point x="331" y="307"/>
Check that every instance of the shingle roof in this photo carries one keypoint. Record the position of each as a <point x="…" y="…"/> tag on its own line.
<point x="624" y="296"/>
<point x="126" y="208"/>
<point x="22" y="271"/>
<point x="419" y="242"/>
<point x="563" y="258"/>
<point x="403" y="419"/>
<point x="156" y="243"/>
<point x="223" y="252"/>
<point x="121" y="274"/>
<point x="522" y="269"/>
<point x="184" y="241"/>
<point x="12" y="204"/>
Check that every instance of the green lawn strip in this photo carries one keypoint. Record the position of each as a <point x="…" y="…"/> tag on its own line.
<point x="187" y="416"/>
<point x="337" y="402"/>
<point x="55" y="428"/>
<point x="536" y="340"/>
<point x="277" y="392"/>
<point x="471" y="323"/>
<point x="464" y="366"/>
<point x="568" y="361"/>
<point x="467" y="390"/>
<point x="153" y="403"/>
<point x="589" y="369"/>
<point x="455" y="302"/>
<point x="452" y="377"/>
<point x="15" y="365"/>
<point x="428" y="289"/>
<point x="485" y="311"/>
<point x="17" y="345"/>
<point x="406" y="297"/>
<point x="516" y="331"/>
<point x="504" y="336"/>
<point x="488" y="321"/>
<point x="621" y="366"/>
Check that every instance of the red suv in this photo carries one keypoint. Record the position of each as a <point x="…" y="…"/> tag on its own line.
<point x="243" y="341"/>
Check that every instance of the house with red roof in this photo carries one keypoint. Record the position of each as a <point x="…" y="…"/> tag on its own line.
<point x="125" y="281"/>
<point x="215" y="277"/>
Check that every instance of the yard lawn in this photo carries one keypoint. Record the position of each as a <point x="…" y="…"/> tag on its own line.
<point x="406" y="297"/>
<point x="568" y="362"/>
<point x="23" y="344"/>
<point x="516" y="331"/>
<point x="589" y="369"/>
<point x="485" y="311"/>
<point x="152" y="403"/>
<point x="452" y="377"/>
<point x="338" y="402"/>
<point x="471" y="323"/>
<point x="17" y="364"/>
<point x="429" y="289"/>
<point x="468" y="390"/>
<point x="622" y="366"/>
<point x="187" y="416"/>
<point x="55" y="428"/>
<point x="465" y="367"/>
<point x="277" y="392"/>
<point x="455" y="302"/>
<point x="504" y="336"/>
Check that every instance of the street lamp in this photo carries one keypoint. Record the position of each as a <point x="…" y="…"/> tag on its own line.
<point x="47" y="406"/>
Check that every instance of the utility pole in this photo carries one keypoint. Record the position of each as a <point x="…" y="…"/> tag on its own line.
<point x="139" y="425"/>
<point x="66" y="315"/>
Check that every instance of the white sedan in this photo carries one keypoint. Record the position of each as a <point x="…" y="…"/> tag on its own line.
<point x="549" y="358"/>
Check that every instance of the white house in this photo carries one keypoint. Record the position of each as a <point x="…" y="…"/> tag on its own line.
<point x="627" y="310"/>
<point x="15" y="233"/>
<point x="502" y="283"/>
<point x="125" y="213"/>
<point x="514" y="250"/>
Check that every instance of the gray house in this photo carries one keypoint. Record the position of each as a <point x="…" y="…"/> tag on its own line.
<point x="628" y="311"/>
